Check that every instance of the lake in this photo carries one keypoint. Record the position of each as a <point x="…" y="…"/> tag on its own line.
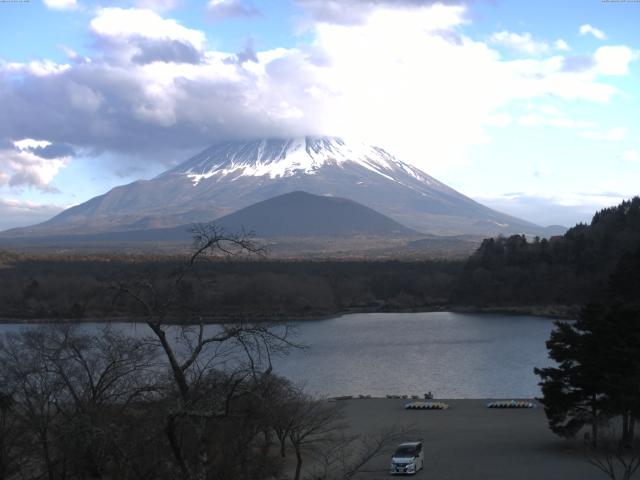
<point x="453" y="355"/>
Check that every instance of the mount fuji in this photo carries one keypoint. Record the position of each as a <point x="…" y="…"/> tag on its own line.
<point x="232" y="175"/>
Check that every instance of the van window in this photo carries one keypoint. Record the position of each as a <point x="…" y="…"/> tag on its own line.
<point x="406" y="451"/>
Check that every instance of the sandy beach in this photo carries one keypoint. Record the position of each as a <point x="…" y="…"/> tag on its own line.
<point x="470" y="441"/>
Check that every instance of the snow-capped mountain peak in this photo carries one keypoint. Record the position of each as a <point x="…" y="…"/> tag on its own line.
<point x="281" y="158"/>
<point x="232" y="175"/>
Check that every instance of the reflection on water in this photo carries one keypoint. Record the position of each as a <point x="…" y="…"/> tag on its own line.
<point x="452" y="355"/>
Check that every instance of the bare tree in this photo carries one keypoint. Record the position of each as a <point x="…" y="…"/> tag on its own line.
<point x="194" y="354"/>
<point x="36" y="391"/>
<point x="312" y="422"/>
<point x="281" y="399"/>
<point x="344" y="457"/>
<point x="102" y="374"/>
<point x="615" y="457"/>
<point x="99" y="369"/>
<point x="11" y="456"/>
<point x="68" y="389"/>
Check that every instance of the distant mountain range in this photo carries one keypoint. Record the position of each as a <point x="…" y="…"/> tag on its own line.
<point x="230" y="176"/>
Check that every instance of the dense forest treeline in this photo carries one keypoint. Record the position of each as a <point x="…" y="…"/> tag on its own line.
<point x="504" y="273"/>
<point x="51" y="287"/>
<point x="569" y="270"/>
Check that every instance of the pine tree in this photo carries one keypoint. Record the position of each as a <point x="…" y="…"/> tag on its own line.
<point x="597" y="376"/>
<point x="574" y="391"/>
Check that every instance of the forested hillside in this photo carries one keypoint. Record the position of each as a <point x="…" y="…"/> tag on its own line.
<point x="571" y="269"/>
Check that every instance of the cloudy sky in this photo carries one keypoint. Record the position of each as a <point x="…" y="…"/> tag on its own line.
<point x="530" y="107"/>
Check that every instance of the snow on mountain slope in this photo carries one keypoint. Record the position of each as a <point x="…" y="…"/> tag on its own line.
<point x="284" y="158"/>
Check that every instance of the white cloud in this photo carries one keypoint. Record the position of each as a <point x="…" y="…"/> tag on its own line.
<point x="588" y="29"/>
<point x="612" y="135"/>
<point x="351" y="12"/>
<point x="405" y="77"/>
<point x="221" y="9"/>
<point x="30" y="143"/>
<point x="613" y="60"/>
<point x="26" y="165"/>
<point x="525" y="44"/>
<point x="37" y="68"/>
<point x="631" y="155"/>
<point x="84" y="98"/>
<point x="398" y="68"/>
<point x="61" y="4"/>
<point x="158" y="5"/>
<point x="499" y="120"/>
<point x="549" y="110"/>
<point x="124" y="24"/>
<point x="142" y="36"/>
<point x="551" y="116"/>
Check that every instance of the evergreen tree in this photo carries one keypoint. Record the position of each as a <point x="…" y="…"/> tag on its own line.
<point x="624" y="284"/>
<point x="598" y="361"/>
<point x="574" y="390"/>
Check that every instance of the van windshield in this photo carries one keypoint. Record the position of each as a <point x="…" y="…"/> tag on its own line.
<point x="406" y="451"/>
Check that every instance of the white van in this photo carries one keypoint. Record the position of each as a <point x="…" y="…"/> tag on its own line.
<point x="408" y="458"/>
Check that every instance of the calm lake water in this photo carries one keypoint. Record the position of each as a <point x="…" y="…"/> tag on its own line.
<point x="450" y="354"/>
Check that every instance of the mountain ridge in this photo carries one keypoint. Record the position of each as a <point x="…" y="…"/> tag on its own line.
<point x="232" y="175"/>
<point x="305" y="215"/>
<point x="301" y="214"/>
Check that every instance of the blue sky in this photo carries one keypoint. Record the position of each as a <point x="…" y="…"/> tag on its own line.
<point x="528" y="107"/>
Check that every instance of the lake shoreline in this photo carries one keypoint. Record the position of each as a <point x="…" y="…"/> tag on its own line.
<point x="454" y="355"/>
<point x="555" y="312"/>
<point x="408" y="398"/>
